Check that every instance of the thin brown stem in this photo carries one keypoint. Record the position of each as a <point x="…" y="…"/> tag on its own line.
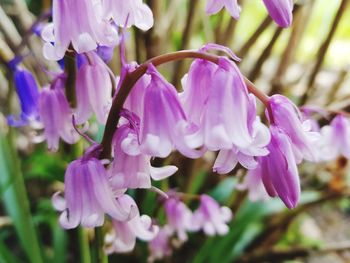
<point x="323" y="51"/>
<point x="178" y="72"/>
<point x="132" y="77"/>
<point x="255" y="73"/>
<point x="251" y="41"/>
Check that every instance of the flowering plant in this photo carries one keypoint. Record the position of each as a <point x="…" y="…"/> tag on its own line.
<point x="133" y="143"/>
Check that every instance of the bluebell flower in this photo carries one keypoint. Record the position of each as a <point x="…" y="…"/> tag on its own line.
<point x="28" y="94"/>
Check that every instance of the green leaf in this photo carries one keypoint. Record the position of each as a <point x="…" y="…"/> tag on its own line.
<point x="15" y="199"/>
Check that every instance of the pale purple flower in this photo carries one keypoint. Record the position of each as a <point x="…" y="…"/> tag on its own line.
<point x="279" y="170"/>
<point x="211" y="217"/>
<point x="56" y="115"/>
<point x="280" y="11"/>
<point x="253" y="183"/>
<point x="335" y="139"/>
<point x="214" y="6"/>
<point x="84" y="30"/>
<point x="93" y="90"/>
<point x="160" y="246"/>
<point x="128" y="13"/>
<point x="285" y="115"/>
<point x="217" y="101"/>
<point x="135" y="99"/>
<point x="88" y="195"/>
<point x="131" y="168"/>
<point x="164" y="123"/>
<point x="179" y="217"/>
<point x="228" y="159"/>
<point x="122" y="239"/>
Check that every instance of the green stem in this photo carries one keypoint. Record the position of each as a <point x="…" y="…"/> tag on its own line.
<point x="99" y="254"/>
<point x="85" y="256"/>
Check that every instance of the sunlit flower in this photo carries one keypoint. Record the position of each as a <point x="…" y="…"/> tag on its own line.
<point x="214" y="6"/>
<point x="280" y="11"/>
<point x="217" y="101"/>
<point x="131" y="12"/>
<point x="84" y="32"/>
<point x="335" y="139"/>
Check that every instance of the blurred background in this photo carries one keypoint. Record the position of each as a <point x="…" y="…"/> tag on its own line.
<point x="308" y="62"/>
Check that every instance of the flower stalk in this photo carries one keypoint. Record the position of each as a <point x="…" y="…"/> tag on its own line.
<point x="132" y="77"/>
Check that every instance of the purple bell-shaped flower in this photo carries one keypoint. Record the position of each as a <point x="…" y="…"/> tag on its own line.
<point x="88" y="195"/>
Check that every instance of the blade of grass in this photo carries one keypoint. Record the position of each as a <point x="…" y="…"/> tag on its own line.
<point x="15" y="199"/>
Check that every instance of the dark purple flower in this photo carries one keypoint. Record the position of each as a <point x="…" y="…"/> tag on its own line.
<point x="28" y="94"/>
<point x="279" y="170"/>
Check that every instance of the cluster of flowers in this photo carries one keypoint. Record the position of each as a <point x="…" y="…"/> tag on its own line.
<point x="215" y="112"/>
<point x="209" y="217"/>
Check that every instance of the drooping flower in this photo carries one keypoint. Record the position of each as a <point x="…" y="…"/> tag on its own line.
<point x="254" y="185"/>
<point x="285" y="115"/>
<point x="122" y="239"/>
<point x="160" y="246"/>
<point x="335" y="139"/>
<point x="135" y="99"/>
<point x="93" y="90"/>
<point x="131" y="12"/>
<point x="218" y="104"/>
<point x="211" y="217"/>
<point x="227" y="159"/>
<point x="130" y="168"/>
<point x="88" y="195"/>
<point x="280" y="11"/>
<point x="179" y="217"/>
<point x="279" y="170"/>
<point x="164" y="123"/>
<point x="56" y="115"/>
<point x="83" y="31"/>
<point x="28" y="94"/>
<point x="214" y="6"/>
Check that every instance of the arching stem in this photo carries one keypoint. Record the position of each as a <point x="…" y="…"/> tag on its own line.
<point x="131" y="79"/>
